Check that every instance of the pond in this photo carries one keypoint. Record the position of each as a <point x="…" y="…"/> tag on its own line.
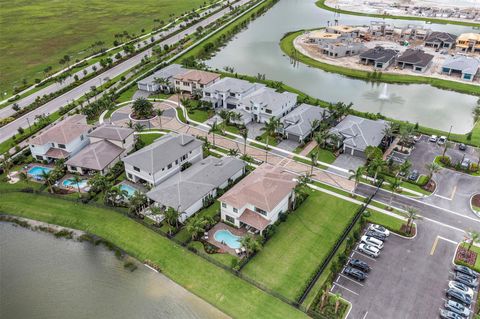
<point x="256" y="50"/>
<point x="45" y="277"/>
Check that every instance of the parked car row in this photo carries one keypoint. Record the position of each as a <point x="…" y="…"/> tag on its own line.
<point x="370" y="244"/>
<point x="460" y="293"/>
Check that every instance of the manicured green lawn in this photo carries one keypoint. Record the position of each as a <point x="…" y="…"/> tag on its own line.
<point x="200" y="115"/>
<point x="149" y="138"/>
<point x="286" y="44"/>
<point x="300" y="244"/>
<point x="230" y="294"/>
<point x="321" y="4"/>
<point x="210" y="211"/>
<point x="225" y="259"/>
<point x="36" y="34"/>
<point x="325" y="156"/>
<point x="389" y="222"/>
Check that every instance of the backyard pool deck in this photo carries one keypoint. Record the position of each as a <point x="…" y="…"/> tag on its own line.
<point x="224" y="248"/>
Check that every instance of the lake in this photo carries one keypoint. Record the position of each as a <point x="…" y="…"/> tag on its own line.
<point x="256" y="50"/>
<point x="45" y="277"/>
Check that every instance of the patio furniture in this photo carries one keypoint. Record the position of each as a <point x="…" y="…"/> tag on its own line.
<point x="238" y="251"/>
<point x="244" y="250"/>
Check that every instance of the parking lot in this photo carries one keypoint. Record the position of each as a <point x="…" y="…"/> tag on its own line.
<point x="425" y="152"/>
<point x="407" y="280"/>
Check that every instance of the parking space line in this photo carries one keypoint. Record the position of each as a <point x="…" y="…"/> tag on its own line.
<point x="442" y="197"/>
<point x="434" y="246"/>
<point x="366" y="313"/>
<point x="354" y="281"/>
<point x="362" y="254"/>
<point x="353" y="292"/>
<point x="448" y="240"/>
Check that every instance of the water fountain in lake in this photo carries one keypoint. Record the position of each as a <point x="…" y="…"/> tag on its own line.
<point x="384" y="94"/>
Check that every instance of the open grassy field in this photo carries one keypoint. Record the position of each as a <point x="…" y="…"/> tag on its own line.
<point x="300" y="244"/>
<point x="36" y="34"/>
<point x="227" y="292"/>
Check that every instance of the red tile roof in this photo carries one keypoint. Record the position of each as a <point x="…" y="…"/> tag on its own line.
<point x="254" y="219"/>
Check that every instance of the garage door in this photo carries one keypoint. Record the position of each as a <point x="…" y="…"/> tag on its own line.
<point x="293" y="137"/>
<point x="354" y="152"/>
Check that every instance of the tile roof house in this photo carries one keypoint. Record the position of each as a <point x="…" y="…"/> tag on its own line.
<point x="297" y="125"/>
<point x="108" y="144"/>
<point x="194" y="80"/>
<point x="265" y="103"/>
<point x="466" y="66"/>
<point x="150" y="83"/>
<point x="62" y="140"/>
<point x="379" y="57"/>
<point x="358" y="133"/>
<point x="416" y="59"/>
<point x="258" y="199"/>
<point x="440" y="40"/>
<point x="188" y="191"/>
<point x="163" y="158"/>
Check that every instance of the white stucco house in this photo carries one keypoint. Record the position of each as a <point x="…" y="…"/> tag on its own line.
<point x="152" y="83"/>
<point x="258" y="199"/>
<point x="188" y="191"/>
<point x="62" y="140"/>
<point x="163" y="158"/>
<point x="194" y="80"/>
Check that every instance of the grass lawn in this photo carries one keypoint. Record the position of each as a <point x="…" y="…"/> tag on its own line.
<point x="149" y="138"/>
<point x="225" y="259"/>
<point x="325" y="156"/>
<point x="200" y="115"/>
<point x="36" y="34"/>
<point x="321" y="4"/>
<point x="300" y="244"/>
<point x="389" y="222"/>
<point x="230" y="294"/>
<point x="286" y="44"/>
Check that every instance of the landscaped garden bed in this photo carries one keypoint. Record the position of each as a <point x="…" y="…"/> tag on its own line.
<point x="475" y="202"/>
<point x="468" y="256"/>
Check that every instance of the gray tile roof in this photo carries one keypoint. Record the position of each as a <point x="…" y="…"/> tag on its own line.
<point x="64" y="132"/>
<point x="167" y="72"/>
<point x="437" y="36"/>
<point x="187" y="187"/>
<point x="299" y="121"/>
<point x="358" y="132"/>
<point x="230" y="85"/>
<point x="111" y="132"/>
<point x="379" y="54"/>
<point x="96" y="156"/>
<point x="162" y="152"/>
<point x="416" y="57"/>
<point x="462" y="63"/>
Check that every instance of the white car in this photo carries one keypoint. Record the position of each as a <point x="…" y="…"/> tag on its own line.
<point x="441" y="140"/>
<point x="377" y="243"/>
<point x="433" y="138"/>
<point x="369" y="250"/>
<point x="461" y="287"/>
<point x="379" y="229"/>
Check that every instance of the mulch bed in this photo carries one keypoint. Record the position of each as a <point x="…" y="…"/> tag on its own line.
<point x="430" y="186"/>
<point x="465" y="256"/>
<point x="405" y="230"/>
<point x="476" y="200"/>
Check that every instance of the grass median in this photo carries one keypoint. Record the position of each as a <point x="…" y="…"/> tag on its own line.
<point x="228" y="293"/>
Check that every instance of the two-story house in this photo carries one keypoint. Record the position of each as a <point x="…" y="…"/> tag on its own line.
<point x="194" y="80"/>
<point x="161" y="80"/>
<point x="258" y="199"/>
<point x="265" y="103"/>
<point x="62" y="140"/>
<point x="108" y="144"/>
<point x="228" y="92"/>
<point x="163" y="158"/>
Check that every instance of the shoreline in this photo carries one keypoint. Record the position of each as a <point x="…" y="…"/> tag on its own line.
<point x="321" y="4"/>
<point x="288" y="48"/>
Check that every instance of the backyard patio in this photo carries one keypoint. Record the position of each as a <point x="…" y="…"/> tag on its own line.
<point x="223" y="246"/>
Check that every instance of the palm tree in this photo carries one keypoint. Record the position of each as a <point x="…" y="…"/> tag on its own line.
<point x="159" y="114"/>
<point x="244" y="134"/>
<point x="445" y="147"/>
<point x="233" y="152"/>
<point x="270" y="129"/>
<point x="76" y="179"/>
<point x="412" y="214"/>
<point x="313" y="160"/>
<point x="336" y="298"/>
<point x="394" y="186"/>
<point x="388" y="131"/>
<point x="357" y="176"/>
<point x="213" y="129"/>
<point x="171" y="217"/>
<point x="47" y="179"/>
<point x="405" y="133"/>
<point x="403" y="169"/>
<point x="196" y="226"/>
<point x="251" y="244"/>
<point x="7" y="163"/>
<point x="137" y="201"/>
<point x="325" y="294"/>
<point x="376" y="166"/>
<point x="115" y="193"/>
<point x="321" y="137"/>
<point x="472" y="238"/>
<point x="372" y="152"/>
<point x="432" y="169"/>
<point x="226" y="116"/>
<point x="24" y="177"/>
<point x="138" y="127"/>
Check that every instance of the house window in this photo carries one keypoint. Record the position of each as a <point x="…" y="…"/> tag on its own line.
<point x="224" y="205"/>
<point x="230" y="219"/>
<point x="169" y="166"/>
<point x="235" y="211"/>
<point x="207" y="94"/>
<point x="232" y="94"/>
<point x="61" y="146"/>
<point x="129" y="176"/>
<point x="73" y="168"/>
<point x="177" y="82"/>
<point x="40" y="158"/>
<point x="247" y="108"/>
<point x="260" y="211"/>
<point x="269" y="111"/>
<point x="136" y="169"/>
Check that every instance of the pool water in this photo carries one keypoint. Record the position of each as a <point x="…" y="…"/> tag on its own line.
<point x="71" y="183"/>
<point x="37" y="170"/>
<point x="227" y="238"/>
<point x="129" y="189"/>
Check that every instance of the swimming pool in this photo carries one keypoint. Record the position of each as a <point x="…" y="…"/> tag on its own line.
<point x="229" y="239"/>
<point x="70" y="183"/>
<point x="129" y="189"/>
<point x="37" y="171"/>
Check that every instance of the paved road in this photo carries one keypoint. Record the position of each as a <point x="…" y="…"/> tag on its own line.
<point x="8" y="130"/>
